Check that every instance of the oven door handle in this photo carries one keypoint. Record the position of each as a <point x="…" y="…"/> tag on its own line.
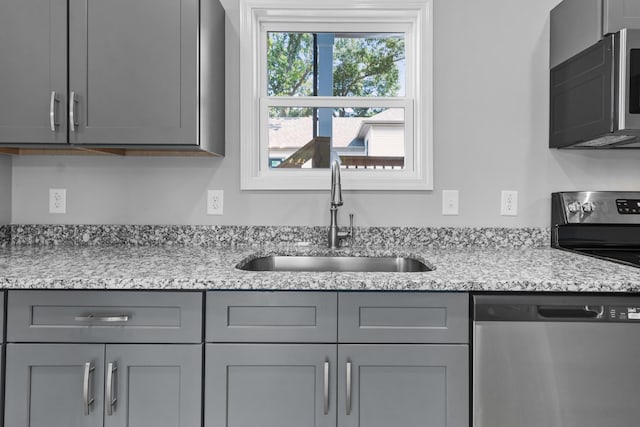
<point x="571" y="311"/>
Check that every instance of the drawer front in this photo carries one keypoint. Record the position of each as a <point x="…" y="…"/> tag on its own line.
<point x="104" y="316"/>
<point x="271" y="316"/>
<point x="403" y="317"/>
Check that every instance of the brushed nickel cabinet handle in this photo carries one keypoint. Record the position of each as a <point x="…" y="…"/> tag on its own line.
<point x="86" y="389"/>
<point x="94" y="318"/>
<point x="72" y="111"/>
<point x="52" y="111"/>
<point x="111" y="398"/>
<point x="325" y="391"/>
<point x="348" y="388"/>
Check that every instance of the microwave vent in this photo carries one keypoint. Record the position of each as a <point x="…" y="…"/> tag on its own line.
<point x="605" y="141"/>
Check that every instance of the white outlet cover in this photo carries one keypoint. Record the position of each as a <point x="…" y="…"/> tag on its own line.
<point x="450" y="202"/>
<point x="215" y="202"/>
<point x="58" y="200"/>
<point x="509" y="203"/>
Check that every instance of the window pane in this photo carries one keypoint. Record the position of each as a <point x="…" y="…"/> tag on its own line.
<point x="340" y="64"/>
<point x="363" y="138"/>
<point x="290" y="64"/>
<point x="368" y="65"/>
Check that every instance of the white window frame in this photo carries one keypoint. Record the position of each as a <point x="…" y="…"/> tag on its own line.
<point x="413" y="17"/>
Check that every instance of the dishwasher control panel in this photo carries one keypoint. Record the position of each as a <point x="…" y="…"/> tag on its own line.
<point x="557" y="309"/>
<point x="624" y="313"/>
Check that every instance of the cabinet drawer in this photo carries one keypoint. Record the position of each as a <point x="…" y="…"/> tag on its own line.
<point x="403" y="317"/>
<point x="104" y="316"/>
<point x="271" y="316"/>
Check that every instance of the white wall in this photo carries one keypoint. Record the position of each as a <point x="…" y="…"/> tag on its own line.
<point x="491" y="124"/>
<point x="5" y="189"/>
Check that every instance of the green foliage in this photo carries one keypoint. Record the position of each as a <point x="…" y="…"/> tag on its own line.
<point x="361" y="67"/>
<point x="366" y="67"/>
<point x="290" y="64"/>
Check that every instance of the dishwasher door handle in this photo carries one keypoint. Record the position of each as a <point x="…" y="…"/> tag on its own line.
<point x="571" y="312"/>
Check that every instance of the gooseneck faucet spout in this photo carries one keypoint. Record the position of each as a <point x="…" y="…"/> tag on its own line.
<point x="335" y="235"/>
<point x="336" y="187"/>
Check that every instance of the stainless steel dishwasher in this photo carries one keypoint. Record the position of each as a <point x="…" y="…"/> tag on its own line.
<point x="556" y="361"/>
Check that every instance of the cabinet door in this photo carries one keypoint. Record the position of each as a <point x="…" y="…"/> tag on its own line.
<point x="403" y="385"/>
<point x="133" y="68"/>
<point x="153" y="385"/>
<point x="270" y="385"/>
<point x="33" y="48"/>
<point x="619" y="14"/>
<point x="54" y="385"/>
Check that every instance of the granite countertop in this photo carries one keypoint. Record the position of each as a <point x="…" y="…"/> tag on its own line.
<point x="200" y="267"/>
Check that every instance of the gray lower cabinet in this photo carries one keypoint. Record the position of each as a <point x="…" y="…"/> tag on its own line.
<point x="78" y="385"/>
<point x="54" y="385"/>
<point x="270" y="385"/>
<point x="403" y="385"/>
<point x="400" y="359"/>
<point x="153" y="385"/>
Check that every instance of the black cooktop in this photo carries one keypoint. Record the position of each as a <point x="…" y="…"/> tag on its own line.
<point x="622" y="256"/>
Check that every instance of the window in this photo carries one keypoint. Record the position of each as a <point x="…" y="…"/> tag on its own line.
<point x="346" y="80"/>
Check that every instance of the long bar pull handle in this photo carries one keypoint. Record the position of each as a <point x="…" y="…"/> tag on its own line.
<point x="349" y="387"/>
<point x="72" y="111"/>
<point x="325" y="391"/>
<point x="52" y="111"/>
<point x="86" y="399"/>
<point x="93" y="318"/>
<point x="111" y="398"/>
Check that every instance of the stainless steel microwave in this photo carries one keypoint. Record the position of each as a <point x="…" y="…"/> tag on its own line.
<point x="595" y="95"/>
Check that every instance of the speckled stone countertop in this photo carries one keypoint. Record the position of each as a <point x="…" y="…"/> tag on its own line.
<point x="203" y="267"/>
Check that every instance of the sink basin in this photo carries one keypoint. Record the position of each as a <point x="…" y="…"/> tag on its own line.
<point x="394" y="264"/>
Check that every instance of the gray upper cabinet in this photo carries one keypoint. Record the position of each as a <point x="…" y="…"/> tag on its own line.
<point x="619" y="14"/>
<point x="134" y="71"/>
<point x="578" y="24"/>
<point x="33" y="71"/>
<point x="142" y="74"/>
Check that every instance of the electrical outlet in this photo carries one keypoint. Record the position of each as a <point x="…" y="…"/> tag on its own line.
<point x="450" y="203"/>
<point x="509" y="203"/>
<point x="215" y="202"/>
<point x="58" y="200"/>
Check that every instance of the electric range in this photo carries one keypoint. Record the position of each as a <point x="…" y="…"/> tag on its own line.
<point x="603" y="224"/>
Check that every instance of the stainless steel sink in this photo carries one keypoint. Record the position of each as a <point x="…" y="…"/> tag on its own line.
<point x="394" y="264"/>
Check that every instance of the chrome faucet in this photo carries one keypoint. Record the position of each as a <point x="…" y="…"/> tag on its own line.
<point x="335" y="235"/>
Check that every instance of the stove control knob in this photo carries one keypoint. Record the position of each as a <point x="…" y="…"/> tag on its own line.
<point x="588" y="207"/>
<point x="574" y="207"/>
